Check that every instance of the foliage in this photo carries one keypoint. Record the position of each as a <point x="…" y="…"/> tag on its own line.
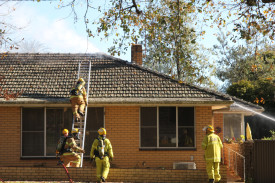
<point x="6" y="28"/>
<point x="251" y="61"/>
<point x="170" y="42"/>
<point x="248" y="70"/>
<point x="8" y="44"/>
<point x="260" y="92"/>
<point x="126" y="19"/>
<point x="272" y="136"/>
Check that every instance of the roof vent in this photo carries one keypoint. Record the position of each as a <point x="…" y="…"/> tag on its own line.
<point x="184" y="166"/>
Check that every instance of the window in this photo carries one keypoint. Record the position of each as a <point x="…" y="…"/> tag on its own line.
<point x="41" y="129"/>
<point x="167" y="127"/>
<point x="232" y="125"/>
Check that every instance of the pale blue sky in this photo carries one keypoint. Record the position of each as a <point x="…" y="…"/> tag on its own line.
<point x="49" y="25"/>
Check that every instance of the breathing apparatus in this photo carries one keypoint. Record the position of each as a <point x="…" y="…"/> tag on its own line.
<point x="101" y="145"/>
<point x="75" y="133"/>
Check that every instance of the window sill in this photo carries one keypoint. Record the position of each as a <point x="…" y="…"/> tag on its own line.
<point x="167" y="149"/>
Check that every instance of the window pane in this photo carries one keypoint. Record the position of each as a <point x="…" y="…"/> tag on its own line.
<point x="148" y="116"/>
<point x="167" y="126"/>
<point x="186" y="116"/>
<point x="148" y="128"/>
<point x="95" y="120"/>
<point x="68" y="119"/>
<point x="148" y="137"/>
<point x="54" y="127"/>
<point x="186" y="137"/>
<point x="232" y="125"/>
<point x="32" y="119"/>
<point x="32" y="144"/>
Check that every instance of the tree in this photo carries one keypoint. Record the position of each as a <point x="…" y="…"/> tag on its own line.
<point x="252" y="60"/>
<point x="6" y="43"/>
<point x="129" y="21"/>
<point x="170" y="42"/>
<point x="126" y="19"/>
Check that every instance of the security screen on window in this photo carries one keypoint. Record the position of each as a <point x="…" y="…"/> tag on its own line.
<point x="167" y="127"/>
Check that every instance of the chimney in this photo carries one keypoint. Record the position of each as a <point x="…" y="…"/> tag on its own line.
<point x="136" y="54"/>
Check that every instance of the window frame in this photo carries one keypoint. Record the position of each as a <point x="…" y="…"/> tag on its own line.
<point x="45" y="156"/>
<point x="177" y="130"/>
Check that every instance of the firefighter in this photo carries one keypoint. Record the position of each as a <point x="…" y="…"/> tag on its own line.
<point x="68" y="153"/>
<point x="212" y="145"/>
<point x="78" y="99"/>
<point x="102" y="153"/>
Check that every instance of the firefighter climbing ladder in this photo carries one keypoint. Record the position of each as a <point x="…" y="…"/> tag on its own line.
<point x="84" y="71"/>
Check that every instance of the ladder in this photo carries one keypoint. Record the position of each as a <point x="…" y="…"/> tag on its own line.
<point x="84" y="71"/>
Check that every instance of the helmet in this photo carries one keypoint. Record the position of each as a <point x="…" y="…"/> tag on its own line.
<point x="208" y="128"/>
<point x="75" y="133"/>
<point x="102" y="131"/>
<point x="75" y="130"/>
<point x="81" y="80"/>
<point x="65" y="131"/>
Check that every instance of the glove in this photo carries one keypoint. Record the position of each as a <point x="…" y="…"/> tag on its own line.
<point x="111" y="158"/>
<point x="81" y="150"/>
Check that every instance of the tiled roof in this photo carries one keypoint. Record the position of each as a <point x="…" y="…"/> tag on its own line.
<point x="51" y="76"/>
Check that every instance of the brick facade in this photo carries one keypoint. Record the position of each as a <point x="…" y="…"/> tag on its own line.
<point x="122" y="124"/>
<point x="136" y="54"/>
<point x="218" y="122"/>
<point x="116" y="175"/>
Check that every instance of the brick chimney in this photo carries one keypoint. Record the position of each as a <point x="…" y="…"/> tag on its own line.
<point x="136" y="54"/>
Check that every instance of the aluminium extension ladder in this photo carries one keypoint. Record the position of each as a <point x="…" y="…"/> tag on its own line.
<point x="84" y="71"/>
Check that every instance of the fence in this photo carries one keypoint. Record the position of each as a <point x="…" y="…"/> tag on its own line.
<point x="234" y="160"/>
<point x="263" y="159"/>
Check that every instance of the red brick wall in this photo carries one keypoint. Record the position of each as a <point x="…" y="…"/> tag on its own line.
<point x="10" y="135"/>
<point x="122" y="124"/>
<point x="136" y="54"/>
<point x="218" y="122"/>
<point x="115" y="175"/>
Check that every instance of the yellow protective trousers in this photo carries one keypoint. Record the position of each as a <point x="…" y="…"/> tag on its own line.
<point x="213" y="171"/>
<point x="70" y="159"/>
<point x="102" y="167"/>
<point x="77" y="103"/>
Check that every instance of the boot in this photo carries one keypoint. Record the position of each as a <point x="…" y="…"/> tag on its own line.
<point x="102" y="179"/>
<point x="77" y="120"/>
<point x="211" y="181"/>
<point x="81" y="113"/>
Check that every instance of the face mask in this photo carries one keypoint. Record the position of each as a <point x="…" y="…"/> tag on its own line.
<point x="103" y="136"/>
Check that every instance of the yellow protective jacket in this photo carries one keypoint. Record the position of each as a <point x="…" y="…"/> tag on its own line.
<point x="212" y="145"/>
<point x="83" y="94"/>
<point x="70" y="144"/>
<point x="108" y="150"/>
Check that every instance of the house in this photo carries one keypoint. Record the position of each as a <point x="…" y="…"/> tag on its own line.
<point x="145" y="114"/>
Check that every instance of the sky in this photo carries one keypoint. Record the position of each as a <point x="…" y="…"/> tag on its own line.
<point x="53" y="28"/>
